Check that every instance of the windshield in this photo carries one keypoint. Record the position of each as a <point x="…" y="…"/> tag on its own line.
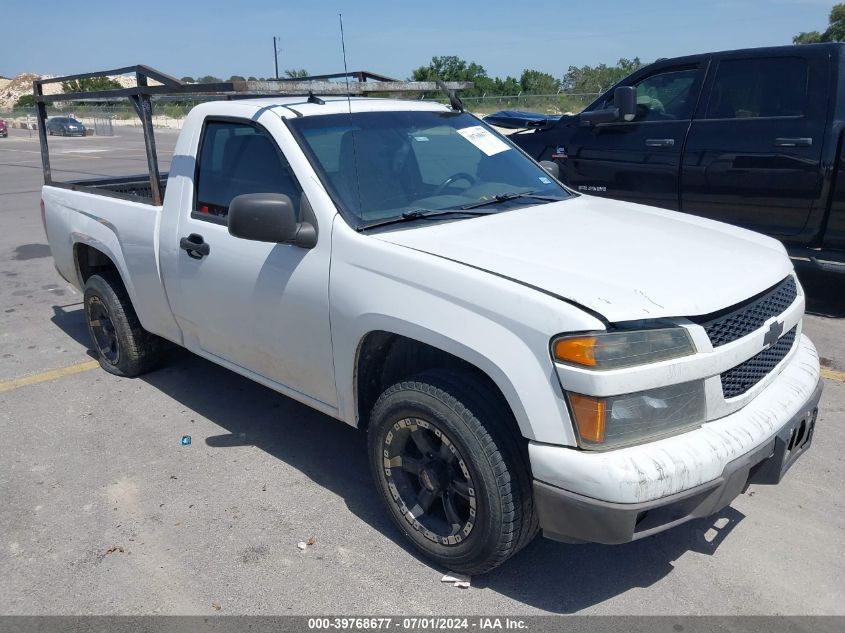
<point x="381" y="165"/>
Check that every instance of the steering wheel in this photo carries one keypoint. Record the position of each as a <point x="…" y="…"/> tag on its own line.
<point x="461" y="175"/>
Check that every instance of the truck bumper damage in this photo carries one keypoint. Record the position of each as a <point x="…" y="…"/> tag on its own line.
<point x="641" y="490"/>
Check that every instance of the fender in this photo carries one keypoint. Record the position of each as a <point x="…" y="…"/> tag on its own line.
<point x="456" y="309"/>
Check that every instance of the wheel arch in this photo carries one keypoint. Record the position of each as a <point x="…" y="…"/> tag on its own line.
<point x="385" y="357"/>
<point x="91" y="257"/>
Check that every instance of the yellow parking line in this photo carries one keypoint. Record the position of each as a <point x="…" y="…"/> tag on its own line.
<point x="78" y="368"/>
<point x="833" y="374"/>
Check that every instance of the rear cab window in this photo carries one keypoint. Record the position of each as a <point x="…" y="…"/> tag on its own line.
<point x="237" y="158"/>
<point x="759" y="88"/>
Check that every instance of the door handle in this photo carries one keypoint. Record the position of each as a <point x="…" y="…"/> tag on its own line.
<point x="660" y="142"/>
<point x="794" y="142"/>
<point x="195" y="246"/>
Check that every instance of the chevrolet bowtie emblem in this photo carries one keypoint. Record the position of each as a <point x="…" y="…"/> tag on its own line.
<point x="772" y="336"/>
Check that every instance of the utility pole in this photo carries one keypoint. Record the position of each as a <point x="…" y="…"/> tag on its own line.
<point x="276" y="56"/>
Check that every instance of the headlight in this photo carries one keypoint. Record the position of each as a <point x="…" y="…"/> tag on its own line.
<point x="616" y="420"/>
<point x="615" y="350"/>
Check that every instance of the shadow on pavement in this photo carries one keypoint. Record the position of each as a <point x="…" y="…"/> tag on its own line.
<point x="547" y="575"/>
<point x="71" y="320"/>
<point x="569" y="578"/>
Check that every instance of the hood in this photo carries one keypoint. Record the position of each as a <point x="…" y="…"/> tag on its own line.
<point x="624" y="261"/>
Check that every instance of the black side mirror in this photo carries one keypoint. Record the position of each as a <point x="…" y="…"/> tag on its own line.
<point x="625" y="100"/>
<point x="551" y="167"/>
<point x="624" y="108"/>
<point x="269" y="217"/>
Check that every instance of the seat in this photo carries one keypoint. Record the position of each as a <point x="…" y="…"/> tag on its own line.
<point x="370" y="174"/>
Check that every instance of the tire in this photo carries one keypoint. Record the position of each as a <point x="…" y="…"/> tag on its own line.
<point x="486" y="478"/>
<point x="123" y="347"/>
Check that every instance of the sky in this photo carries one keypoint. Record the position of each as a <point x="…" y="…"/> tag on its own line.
<point x="391" y="37"/>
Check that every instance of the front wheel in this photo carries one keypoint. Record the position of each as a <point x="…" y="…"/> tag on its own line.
<point x="451" y="471"/>
<point x="123" y="346"/>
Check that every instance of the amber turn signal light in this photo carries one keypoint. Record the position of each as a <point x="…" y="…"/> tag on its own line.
<point x="579" y="350"/>
<point x="590" y="417"/>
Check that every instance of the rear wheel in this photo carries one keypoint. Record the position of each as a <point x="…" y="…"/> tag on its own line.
<point x="123" y="347"/>
<point x="451" y="472"/>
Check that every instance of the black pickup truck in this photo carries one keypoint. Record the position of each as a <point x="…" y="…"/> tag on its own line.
<point x="751" y="137"/>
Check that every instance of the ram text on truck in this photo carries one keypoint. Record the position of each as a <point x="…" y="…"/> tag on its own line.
<point x="522" y="357"/>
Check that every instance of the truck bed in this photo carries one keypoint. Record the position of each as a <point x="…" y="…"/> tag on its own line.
<point x="135" y="188"/>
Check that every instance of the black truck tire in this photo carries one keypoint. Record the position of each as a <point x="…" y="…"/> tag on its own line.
<point x="123" y="347"/>
<point x="451" y="471"/>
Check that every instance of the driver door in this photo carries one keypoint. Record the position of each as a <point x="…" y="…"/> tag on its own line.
<point x="257" y="306"/>
<point x="639" y="160"/>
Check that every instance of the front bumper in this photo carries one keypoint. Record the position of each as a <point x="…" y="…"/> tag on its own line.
<point x="623" y="495"/>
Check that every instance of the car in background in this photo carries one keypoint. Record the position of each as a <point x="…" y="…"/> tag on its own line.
<point x="65" y="126"/>
<point x="4" y="131"/>
<point x="516" y="119"/>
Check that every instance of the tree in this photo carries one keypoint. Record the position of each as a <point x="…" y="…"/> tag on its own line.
<point x="251" y="78"/>
<point x="209" y="79"/>
<point x="599" y="78"/>
<point x="237" y="78"/>
<point x="507" y="86"/>
<point x="835" y="29"/>
<point x="538" y="83"/>
<point x="807" y="37"/>
<point x="25" y="101"/>
<point x="453" y="68"/>
<point x="90" y="84"/>
<point x="188" y="80"/>
<point x="296" y="73"/>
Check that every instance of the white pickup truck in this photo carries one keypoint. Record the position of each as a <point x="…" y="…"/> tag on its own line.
<point x="521" y="357"/>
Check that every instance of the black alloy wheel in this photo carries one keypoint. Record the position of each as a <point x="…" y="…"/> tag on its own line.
<point x="448" y="462"/>
<point x="103" y="332"/>
<point x="429" y="481"/>
<point x="123" y="346"/>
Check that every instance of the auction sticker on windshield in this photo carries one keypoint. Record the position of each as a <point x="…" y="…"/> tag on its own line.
<point x="483" y="140"/>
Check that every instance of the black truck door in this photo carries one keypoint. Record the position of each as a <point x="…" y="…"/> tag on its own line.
<point x="753" y="153"/>
<point x="638" y="160"/>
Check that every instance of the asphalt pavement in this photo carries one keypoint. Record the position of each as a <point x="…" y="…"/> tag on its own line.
<point x="104" y="510"/>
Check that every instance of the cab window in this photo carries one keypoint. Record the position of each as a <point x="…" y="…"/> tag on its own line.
<point x="757" y="88"/>
<point x="666" y="96"/>
<point x="239" y="158"/>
